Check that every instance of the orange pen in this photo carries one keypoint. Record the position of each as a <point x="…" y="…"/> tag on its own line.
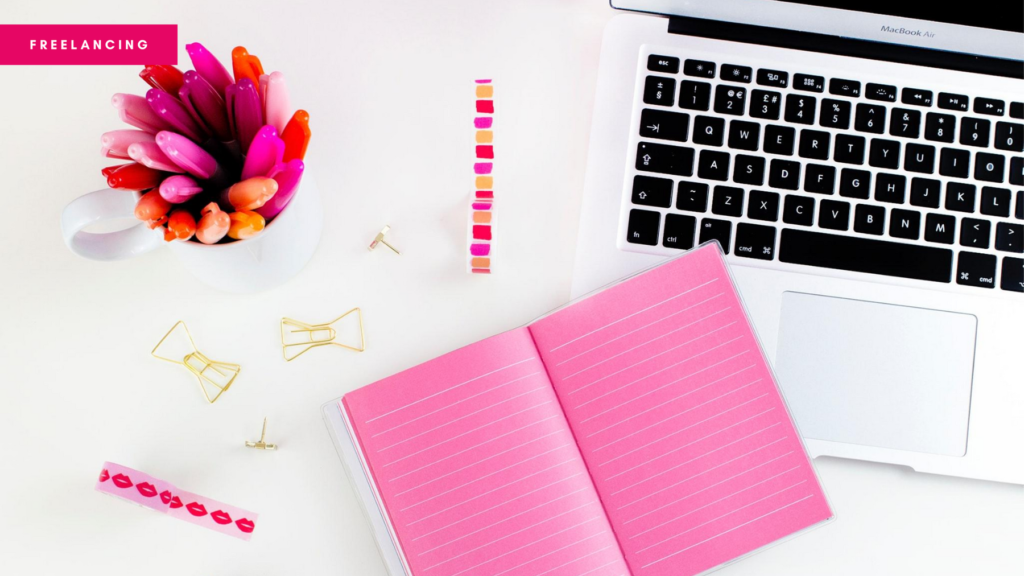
<point x="296" y="136"/>
<point x="246" y="65"/>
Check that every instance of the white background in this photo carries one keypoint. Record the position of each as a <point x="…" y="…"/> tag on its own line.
<point x="388" y="85"/>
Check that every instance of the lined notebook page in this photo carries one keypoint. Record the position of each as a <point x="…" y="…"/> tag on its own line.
<point x="679" y="419"/>
<point x="478" y="470"/>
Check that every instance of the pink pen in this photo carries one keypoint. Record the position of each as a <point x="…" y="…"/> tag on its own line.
<point x="265" y="152"/>
<point x="245" y="112"/>
<point x="206" y="105"/>
<point x="174" y="113"/>
<point x="187" y="155"/>
<point x="179" y="188"/>
<point x="151" y="156"/>
<point x="288" y="176"/>
<point x="264" y="81"/>
<point x="277" y="103"/>
<point x="208" y="66"/>
<point x="116" y="142"/>
<point x="134" y="110"/>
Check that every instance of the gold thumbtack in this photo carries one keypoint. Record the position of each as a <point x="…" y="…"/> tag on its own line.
<point x="262" y="444"/>
<point x="380" y="240"/>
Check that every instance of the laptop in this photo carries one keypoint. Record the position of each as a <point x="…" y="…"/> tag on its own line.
<point x="862" y="165"/>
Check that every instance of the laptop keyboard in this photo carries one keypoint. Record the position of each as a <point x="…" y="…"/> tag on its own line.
<point x="828" y="172"/>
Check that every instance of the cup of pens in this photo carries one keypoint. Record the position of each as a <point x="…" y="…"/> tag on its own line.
<point x="214" y="169"/>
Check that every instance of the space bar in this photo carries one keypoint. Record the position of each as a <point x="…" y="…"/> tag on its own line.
<point x="866" y="255"/>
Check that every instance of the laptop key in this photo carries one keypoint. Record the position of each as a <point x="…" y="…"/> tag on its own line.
<point x="920" y="158"/>
<point x="713" y="165"/>
<point x="1009" y="136"/>
<point x="744" y="135"/>
<point x="692" y="196"/>
<point x="713" y="229"/>
<point x="1017" y="110"/>
<point x="765" y="104"/>
<point x="989" y="167"/>
<point x="869" y="219"/>
<point x="776" y="78"/>
<point x="960" y="197"/>
<point x="949" y="101"/>
<point x="708" y="130"/>
<point x="974" y="233"/>
<point x="857" y="254"/>
<point x="840" y="87"/>
<point x="883" y="92"/>
<point x="664" y="124"/>
<point x="643" y="227"/>
<point x="905" y="123"/>
<point x="800" y="109"/>
<point x="924" y="192"/>
<point x="755" y="241"/>
<point x="855" y="183"/>
<point x="814" y="144"/>
<point x="679" y="231"/>
<point x="748" y="170"/>
<point x="798" y="210"/>
<point x="940" y="228"/>
<point x="649" y="191"/>
<point x="834" y="215"/>
<point x="727" y="201"/>
<point x="659" y="90"/>
<point x="973" y="269"/>
<point x="890" y="188"/>
<point x="735" y="73"/>
<point x="779" y="139"/>
<point x="1017" y="171"/>
<point x="1012" y="276"/>
<point x="763" y="205"/>
<point x="916" y="97"/>
<point x="939" y="127"/>
<point x="1009" y="237"/>
<point x="905" y="224"/>
<point x="819" y="179"/>
<point x="974" y="132"/>
<point x="884" y="154"/>
<point x="730" y="99"/>
<point x="694" y="95"/>
<point x="699" y="68"/>
<point x="1018" y="212"/>
<point x="809" y="83"/>
<point x="870" y="118"/>
<point x="664" y="159"/>
<point x="989" y="106"/>
<point x="784" y="174"/>
<point x="835" y="113"/>
<point x="667" y="64"/>
<point x="995" y="202"/>
<point x="850" y="149"/>
<point x="954" y="162"/>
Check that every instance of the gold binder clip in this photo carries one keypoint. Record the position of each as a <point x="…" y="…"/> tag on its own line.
<point x="380" y="240"/>
<point x="262" y="444"/>
<point x="300" y="336"/>
<point x="211" y="374"/>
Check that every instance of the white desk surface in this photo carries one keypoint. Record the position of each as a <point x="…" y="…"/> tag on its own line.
<point x="386" y="84"/>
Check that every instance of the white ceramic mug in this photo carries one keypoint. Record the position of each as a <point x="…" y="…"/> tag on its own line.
<point x="264" y="261"/>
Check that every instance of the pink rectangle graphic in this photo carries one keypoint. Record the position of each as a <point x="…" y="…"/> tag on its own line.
<point x="88" y="44"/>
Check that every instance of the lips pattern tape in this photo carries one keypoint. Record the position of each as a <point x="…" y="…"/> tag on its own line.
<point x="160" y="495"/>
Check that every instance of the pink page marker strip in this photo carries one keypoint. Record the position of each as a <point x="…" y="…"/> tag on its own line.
<point x="162" y="496"/>
<point x="481" y="212"/>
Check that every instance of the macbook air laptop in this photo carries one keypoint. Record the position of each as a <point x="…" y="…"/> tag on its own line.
<point x="863" y="166"/>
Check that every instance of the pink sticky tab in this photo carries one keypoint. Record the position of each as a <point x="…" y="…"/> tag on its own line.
<point x="482" y="167"/>
<point x="483" y="122"/>
<point x="482" y="205"/>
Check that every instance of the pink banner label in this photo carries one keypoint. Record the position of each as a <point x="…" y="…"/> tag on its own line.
<point x="88" y="44"/>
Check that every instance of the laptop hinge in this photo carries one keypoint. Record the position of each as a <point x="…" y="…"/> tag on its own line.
<point x="824" y="43"/>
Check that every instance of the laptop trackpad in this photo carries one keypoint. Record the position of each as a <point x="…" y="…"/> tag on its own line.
<point x="877" y="374"/>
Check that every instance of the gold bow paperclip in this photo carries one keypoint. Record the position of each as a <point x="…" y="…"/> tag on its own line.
<point x="300" y="336"/>
<point x="262" y="444"/>
<point x="219" y="375"/>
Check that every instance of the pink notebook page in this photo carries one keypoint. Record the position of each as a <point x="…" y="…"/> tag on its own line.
<point x="679" y="419"/>
<point x="478" y="470"/>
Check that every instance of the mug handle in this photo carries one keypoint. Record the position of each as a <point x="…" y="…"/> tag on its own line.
<point x="107" y="205"/>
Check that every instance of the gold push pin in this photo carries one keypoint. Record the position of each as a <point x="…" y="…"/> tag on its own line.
<point x="262" y="444"/>
<point x="380" y="240"/>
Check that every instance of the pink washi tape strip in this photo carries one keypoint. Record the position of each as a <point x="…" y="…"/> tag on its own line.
<point x="481" y="209"/>
<point x="162" y="496"/>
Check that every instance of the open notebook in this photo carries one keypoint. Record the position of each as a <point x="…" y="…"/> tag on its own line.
<point x="637" y="431"/>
